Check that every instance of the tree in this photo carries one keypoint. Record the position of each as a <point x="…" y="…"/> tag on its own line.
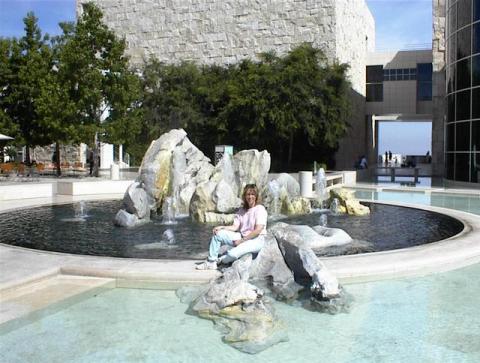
<point x="30" y="61"/>
<point x="94" y="75"/>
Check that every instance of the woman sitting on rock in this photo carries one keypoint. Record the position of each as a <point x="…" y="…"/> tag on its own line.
<point x="245" y="235"/>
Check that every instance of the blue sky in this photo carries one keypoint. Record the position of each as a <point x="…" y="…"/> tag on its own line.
<point x="49" y="13"/>
<point x="399" y="24"/>
<point x="407" y="138"/>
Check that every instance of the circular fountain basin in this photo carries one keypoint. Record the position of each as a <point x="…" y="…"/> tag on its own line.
<point x="61" y="229"/>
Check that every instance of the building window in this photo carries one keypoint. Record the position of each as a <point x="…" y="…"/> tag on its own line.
<point x="374" y="74"/>
<point x="375" y="83"/>
<point x="463" y="74"/>
<point x="424" y="81"/>
<point x="464" y="13"/>
<point x="476" y="10"/>
<point x="375" y="92"/>
<point x="476" y="39"/>
<point x="464" y="45"/>
<point x="404" y="74"/>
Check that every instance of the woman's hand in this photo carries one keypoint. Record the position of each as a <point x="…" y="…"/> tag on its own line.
<point x="238" y="241"/>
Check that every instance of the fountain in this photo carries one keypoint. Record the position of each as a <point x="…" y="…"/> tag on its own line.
<point x="274" y="189"/>
<point x="168" y="211"/>
<point x="321" y="185"/>
<point x="335" y="206"/>
<point x="323" y="220"/>
<point x="176" y="177"/>
<point x="80" y="213"/>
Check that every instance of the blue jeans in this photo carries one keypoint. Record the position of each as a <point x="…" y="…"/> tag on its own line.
<point x="224" y="237"/>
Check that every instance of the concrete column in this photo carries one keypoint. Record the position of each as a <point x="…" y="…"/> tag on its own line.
<point x="305" y="180"/>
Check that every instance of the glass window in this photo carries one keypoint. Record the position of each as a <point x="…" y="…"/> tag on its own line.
<point x="464" y="13"/>
<point x="374" y="74"/>
<point x="424" y="91"/>
<point x="452" y="49"/>
<point x="463" y="105"/>
<point x="451" y="79"/>
<point x="475" y="136"/>
<point x="462" y="169"/>
<point x="476" y="103"/>
<point x="451" y="108"/>
<point x="424" y="71"/>
<point x="463" y="74"/>
<point x="464" y="46"/>
<point x="476" y="39"/>
<point x="451" y="137"/>
<point x="452" y="19"/>
<point x="462" y="136"/>
<point x="476" y="70"/>
<point x="375" y="92"/>
<point x="475" y="163"/>
<point x="476" y="10"/>
<point x="450" y="165"/>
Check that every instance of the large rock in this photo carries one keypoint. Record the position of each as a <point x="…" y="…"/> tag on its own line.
<point x="217" y="200"/>
<point x="348" y="203"/>
<point x="171" y="167"/>
<point x="300" y="258"/>
<point x="283" y="196"/>
<point x="239" y="309"/>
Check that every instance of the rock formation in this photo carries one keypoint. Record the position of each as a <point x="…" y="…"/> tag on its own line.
<point x="174" y="167"/>
<point x="348" y="203"/>
<point x="238" y="301"/>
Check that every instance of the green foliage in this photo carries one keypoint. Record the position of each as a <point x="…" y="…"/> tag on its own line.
<point x="26" y="63"/>
<point x="295" y="102"/>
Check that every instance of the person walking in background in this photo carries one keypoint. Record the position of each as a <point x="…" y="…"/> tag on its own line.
<point x="389" y="156"/>
<point x="386" y="157"/>
<point x="90" y="161"/>
<point x="363" y="162"/>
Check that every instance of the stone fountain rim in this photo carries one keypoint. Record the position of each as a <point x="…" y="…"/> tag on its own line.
<point x="454" y="252"/>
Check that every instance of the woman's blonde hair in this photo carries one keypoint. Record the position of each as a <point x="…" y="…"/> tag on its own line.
<point x="247" y="188"/>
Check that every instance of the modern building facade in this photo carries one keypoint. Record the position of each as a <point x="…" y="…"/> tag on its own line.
<point x="462" y="94"/>
<point x="398" y="88"/>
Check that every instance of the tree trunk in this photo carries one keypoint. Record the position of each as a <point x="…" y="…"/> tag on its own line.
<point x="96" y="157"/>
<point x="290" y="149"/>
<point x="27" y="154"/>
<point x="57" y="158"/>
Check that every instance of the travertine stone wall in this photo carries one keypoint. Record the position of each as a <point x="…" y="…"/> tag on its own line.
<point x="438" y="87"/>
<point x="227" y="31"/>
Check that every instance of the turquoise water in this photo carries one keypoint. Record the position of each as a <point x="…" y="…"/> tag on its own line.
<point x="427" y="319"/>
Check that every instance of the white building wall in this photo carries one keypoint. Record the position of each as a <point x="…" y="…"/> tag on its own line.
<point x="399" y="97"/>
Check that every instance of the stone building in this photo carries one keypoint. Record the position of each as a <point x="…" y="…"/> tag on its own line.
<point x="227" y="31"/>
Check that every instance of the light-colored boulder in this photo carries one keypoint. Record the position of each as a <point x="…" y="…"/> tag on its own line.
<point x="202" y="201"/>
<point x="225" y="198"/>
<point x="252" y="166"/>
<point x="290" y="184"/>
<point x="300" y="258"/>
<point x="297" y="205"/>
<point x="128" y="220"/>
<point x="239" y="309"/>
<point x="135" y="201"/>
<point x="348" y="203"/>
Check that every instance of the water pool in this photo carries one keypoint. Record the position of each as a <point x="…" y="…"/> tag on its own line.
<point x="426" y="319"/>
<point x="54" y="228"/>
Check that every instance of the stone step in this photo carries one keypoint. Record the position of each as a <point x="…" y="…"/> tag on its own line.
<point x="33" y="300"/>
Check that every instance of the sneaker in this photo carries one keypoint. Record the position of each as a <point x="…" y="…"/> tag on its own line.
<point x="207" y="265"/>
